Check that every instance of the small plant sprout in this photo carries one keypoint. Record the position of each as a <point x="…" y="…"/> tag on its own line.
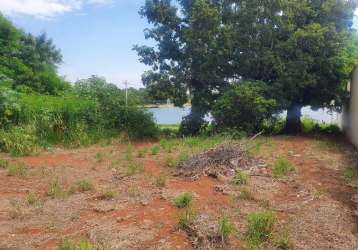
<point x="108" y="195"/>
<point x="155" y="150"/>
<point x="183" y="200"/>
<point x="282" y="240"/>
<point x="282" y="167"/>
<point x="32" y="199"/>
<point x="4" y="164"/>
<point x="170" y="162"/>
<point x="18" y="169"/>
<point x="161" y="181"/>
<point x="84" y="185"/>
<point x="134" y="168"/>
<point x="240" y="178"/>
<point x="142" y="152"/>
<point x="186" y="217"/>
<point x="129" y="153"/>
<point x="55" y="189"/>
<point x="260" y="225"/>
<point x="226" y="228"/>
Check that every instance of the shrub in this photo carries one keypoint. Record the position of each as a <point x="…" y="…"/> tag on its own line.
<point x="85" y="185"/>
<point x="183" y="200"/>
<point x="18" y="141"/>
<point x="245" y="106"/>
<point x="226" y="228"/>
<point x="17" y="169"/>
<point x="240" y="177"/>
<point x="260" y="225"/>
<point x="282" y="167"/>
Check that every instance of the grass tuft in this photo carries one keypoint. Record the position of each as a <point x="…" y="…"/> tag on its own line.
<point x="85" y="185"/>
<point x="226" y="227"/>
<point x="282" y="167"/>
<point x="260" y="225"/>
<point x="17" y="169"/>
<point x="241" y="178"/>
<point x="183" y="200"/>
<point x="155" y="150"/>
<point x="161" y="181"/>
<point x="4" y="164"/>
<point x="282" y="240"/>
<point x="186" y="217"/>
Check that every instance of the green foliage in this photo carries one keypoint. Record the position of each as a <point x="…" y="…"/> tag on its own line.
<point x="206" y="46"/>
<point x="155" y="150"/>
<point x="170" y="162"/>
<point x="260" y="225"/>
<point x="32" y="199"/>
<point x="350" y="173"/>
<point x="85" y="185"/>
<point x="17" y="169"/>
<point x="282" y="167"/>
<point x="4" y="164"/>
<point x="19" y="141"/>
<point x="65" y="244"/>
<point x="240" y="178"/>
<point x="142" y="152"/>
<point x="309" y="125"/>
<point x="244" y="106"/>
<point x="226" y="228"/>
<point x="183" y="200"/>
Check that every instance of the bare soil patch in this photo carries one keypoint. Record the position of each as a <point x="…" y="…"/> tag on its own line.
<point x="126" y="208"/>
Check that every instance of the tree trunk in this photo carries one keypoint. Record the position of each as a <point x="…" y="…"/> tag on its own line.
<point x="293" y="120"/>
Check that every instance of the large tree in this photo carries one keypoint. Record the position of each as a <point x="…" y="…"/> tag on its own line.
<point x="300" y="48"/>
<point x="27" y="60"/>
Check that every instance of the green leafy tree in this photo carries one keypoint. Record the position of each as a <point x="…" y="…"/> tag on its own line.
<point x="300" y="48"/>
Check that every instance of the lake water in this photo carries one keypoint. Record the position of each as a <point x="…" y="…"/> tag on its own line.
<point x="174" y="115"/>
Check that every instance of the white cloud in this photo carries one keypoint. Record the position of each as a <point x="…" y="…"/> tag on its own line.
<point x="44" y="8"/>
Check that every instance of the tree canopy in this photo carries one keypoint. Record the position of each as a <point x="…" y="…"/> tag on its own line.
<point x="302" y="50"/>
<point x="28" y="61"/>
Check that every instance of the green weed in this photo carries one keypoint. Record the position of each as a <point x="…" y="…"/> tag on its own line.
<point x="350" y="173"/>
<point x="161" y="181"/>
<point x="260" y="225"/>
<point x="282" y="167"/>
<point x="186" y="217"/>
<point x="155" y="150"/>
<point x="282" y="240"/>
<point x="108" y="195"/>
<point x="240" y="178"/>
<point x="226" y="228"/>
<point x="142" y="152"/>
<point x="170" y="162"/>
<point x="32" y="199"/>
<point x="183" y="200"/>
<point x="4" y="164"/>
<point x="55" y="190"/>
<point x="85" y="185"/>
<point x="134" y="168"/>
<point x="17" y="169"/>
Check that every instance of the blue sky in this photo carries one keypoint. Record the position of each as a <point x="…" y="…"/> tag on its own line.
<point x="95" y="36"/>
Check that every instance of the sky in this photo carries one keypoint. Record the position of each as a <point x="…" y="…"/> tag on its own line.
<point x="95" y="37"/>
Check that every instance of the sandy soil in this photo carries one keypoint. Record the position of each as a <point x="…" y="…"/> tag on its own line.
<point x="314" y="203"/>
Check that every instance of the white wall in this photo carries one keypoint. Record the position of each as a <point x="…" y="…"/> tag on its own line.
<point x="352" y="111"/>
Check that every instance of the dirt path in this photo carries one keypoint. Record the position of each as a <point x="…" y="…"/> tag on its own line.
<point x="314" y="203"/>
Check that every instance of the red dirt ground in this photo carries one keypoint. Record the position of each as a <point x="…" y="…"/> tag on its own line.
<point x="314" y="203"/>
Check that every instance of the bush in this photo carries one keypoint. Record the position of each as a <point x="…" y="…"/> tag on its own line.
<point x="245" y="106"/>
<point x="18" y="141"/>
<point x="240" y="177"/>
